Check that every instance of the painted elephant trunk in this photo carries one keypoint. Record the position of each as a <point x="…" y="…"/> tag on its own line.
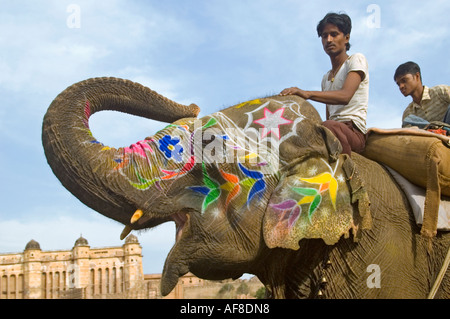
<point x="84" y="165"/>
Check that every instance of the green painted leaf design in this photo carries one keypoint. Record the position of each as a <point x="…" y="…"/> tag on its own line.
<point x="305" y="191"/>
<point x="212" y="121"/>
<point x="315" y="203"/>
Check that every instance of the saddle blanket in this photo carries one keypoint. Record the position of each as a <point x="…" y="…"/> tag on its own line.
<point x="416" y="198"/>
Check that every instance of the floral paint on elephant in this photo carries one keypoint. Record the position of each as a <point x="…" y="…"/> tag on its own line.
<point x="312" y="197"/>
<point x="148" y="162"/>
<point x="244" y="153"/>
<point x="271" y="122"/>
<point x="252" y="181"/>
<point x="171" y="147"/>
<point x="314" y="203"/>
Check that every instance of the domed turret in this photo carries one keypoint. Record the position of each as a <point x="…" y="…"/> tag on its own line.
<point x="81" y="242"/>
<point x="32" y="244"/>
<point x="131" y="239"/>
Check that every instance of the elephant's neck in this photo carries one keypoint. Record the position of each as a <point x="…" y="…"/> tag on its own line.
<point x="295" y="274"/>
<point x="316" y="270"/>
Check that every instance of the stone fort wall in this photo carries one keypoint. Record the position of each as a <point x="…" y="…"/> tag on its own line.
<point x="101" y="273"/>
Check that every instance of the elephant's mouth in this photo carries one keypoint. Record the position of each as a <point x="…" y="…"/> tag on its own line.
<point x="139" y="220"/>
<point x="177" y="261"/>
<point x="180" y="219"/>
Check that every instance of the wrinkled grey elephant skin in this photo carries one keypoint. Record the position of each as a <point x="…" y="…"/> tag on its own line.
<point x="290" y="209"/>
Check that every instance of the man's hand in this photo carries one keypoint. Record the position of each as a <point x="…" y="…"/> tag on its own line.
<point x="295" y="91"/>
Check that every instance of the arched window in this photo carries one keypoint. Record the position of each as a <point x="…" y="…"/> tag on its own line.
<point x="64" y="280"/>
<point x="12" y="287"/>
<point x="50" y="285"/>
<point x="107" y="279"/>
<point x="92" y="282"/>
<point x="4" y="287"/>
<point x="44" y="285"/>
<point x="99" y="275"/>
<point x="57" y="284"/>
<point x="114" y="280"/>
<point x="20" y="285"/>
<point x="121" y="279"/>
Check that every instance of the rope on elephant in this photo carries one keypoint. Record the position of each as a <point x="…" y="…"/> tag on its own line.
<point x="440" y="276"/>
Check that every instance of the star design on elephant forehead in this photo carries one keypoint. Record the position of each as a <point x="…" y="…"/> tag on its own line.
<point x="216" y="212"/>
<point x="271" y="122"/>
<point x="312" y="170"/>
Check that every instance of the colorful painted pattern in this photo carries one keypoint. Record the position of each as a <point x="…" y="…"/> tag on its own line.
<point x="238" y="171"/>
<point x="87" y="113"/>
<point x="312" y="197"/>
<point x="253" y="148"/>
<point x="171" y="147"/>
<point x="253" y="181"/>
<point x="313" y="203"/>
<point x="211" y="189"/>
<point x="271" y="122"/>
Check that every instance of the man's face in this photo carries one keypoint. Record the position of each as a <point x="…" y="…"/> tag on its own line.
<point x="333" y="40"/>
<point x="408" y="83"/>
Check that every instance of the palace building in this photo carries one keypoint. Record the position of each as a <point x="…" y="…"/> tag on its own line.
<point x="81" y="272"/>
<point x="99" y="273"/>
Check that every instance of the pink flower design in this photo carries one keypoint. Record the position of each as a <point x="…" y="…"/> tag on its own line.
<point x="271" y="122"/>
<point x="139" y="148"/>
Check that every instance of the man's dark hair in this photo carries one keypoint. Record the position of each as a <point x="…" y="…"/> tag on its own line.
<point x="340" y="20"/>
<point x="407" y="68"/>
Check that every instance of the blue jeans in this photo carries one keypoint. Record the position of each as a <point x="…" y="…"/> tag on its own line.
<point x="447" y="116"/>
<point x="414" y="120"/>
<point x="420" y="122"/>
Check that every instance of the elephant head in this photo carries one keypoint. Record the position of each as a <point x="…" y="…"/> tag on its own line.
<point x="256" y="176"/>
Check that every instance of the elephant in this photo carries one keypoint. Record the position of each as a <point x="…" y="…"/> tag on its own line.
<point x="260" y="187"/>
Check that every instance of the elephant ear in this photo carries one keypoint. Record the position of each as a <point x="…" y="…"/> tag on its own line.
<point x="316" y="199"/>
<point x="332" y="144"/>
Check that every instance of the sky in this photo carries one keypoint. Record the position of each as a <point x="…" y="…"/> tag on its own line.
<point x="213" y="53"/>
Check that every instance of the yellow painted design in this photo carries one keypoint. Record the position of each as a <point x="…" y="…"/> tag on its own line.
<point x="306" y="200"/>
<point x="228" y="186"/>
<point x="252" y="102"/>
<point x="327" y="182"/>
<point x="249" y="156"/>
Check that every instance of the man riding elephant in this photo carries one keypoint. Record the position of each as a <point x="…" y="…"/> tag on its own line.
<point x="345" y="88"/>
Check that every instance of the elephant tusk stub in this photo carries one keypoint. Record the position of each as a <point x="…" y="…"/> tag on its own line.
<point x="136" y="216"/>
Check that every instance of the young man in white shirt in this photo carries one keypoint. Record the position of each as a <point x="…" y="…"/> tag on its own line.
<point x="345" y="88"/>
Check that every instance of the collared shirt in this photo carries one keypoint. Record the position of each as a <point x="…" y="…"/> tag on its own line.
<point x="433" y="106"/>
<point x="356" y="109"/>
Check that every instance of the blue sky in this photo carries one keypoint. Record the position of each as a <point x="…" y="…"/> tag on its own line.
<point x="213" y="53"/>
